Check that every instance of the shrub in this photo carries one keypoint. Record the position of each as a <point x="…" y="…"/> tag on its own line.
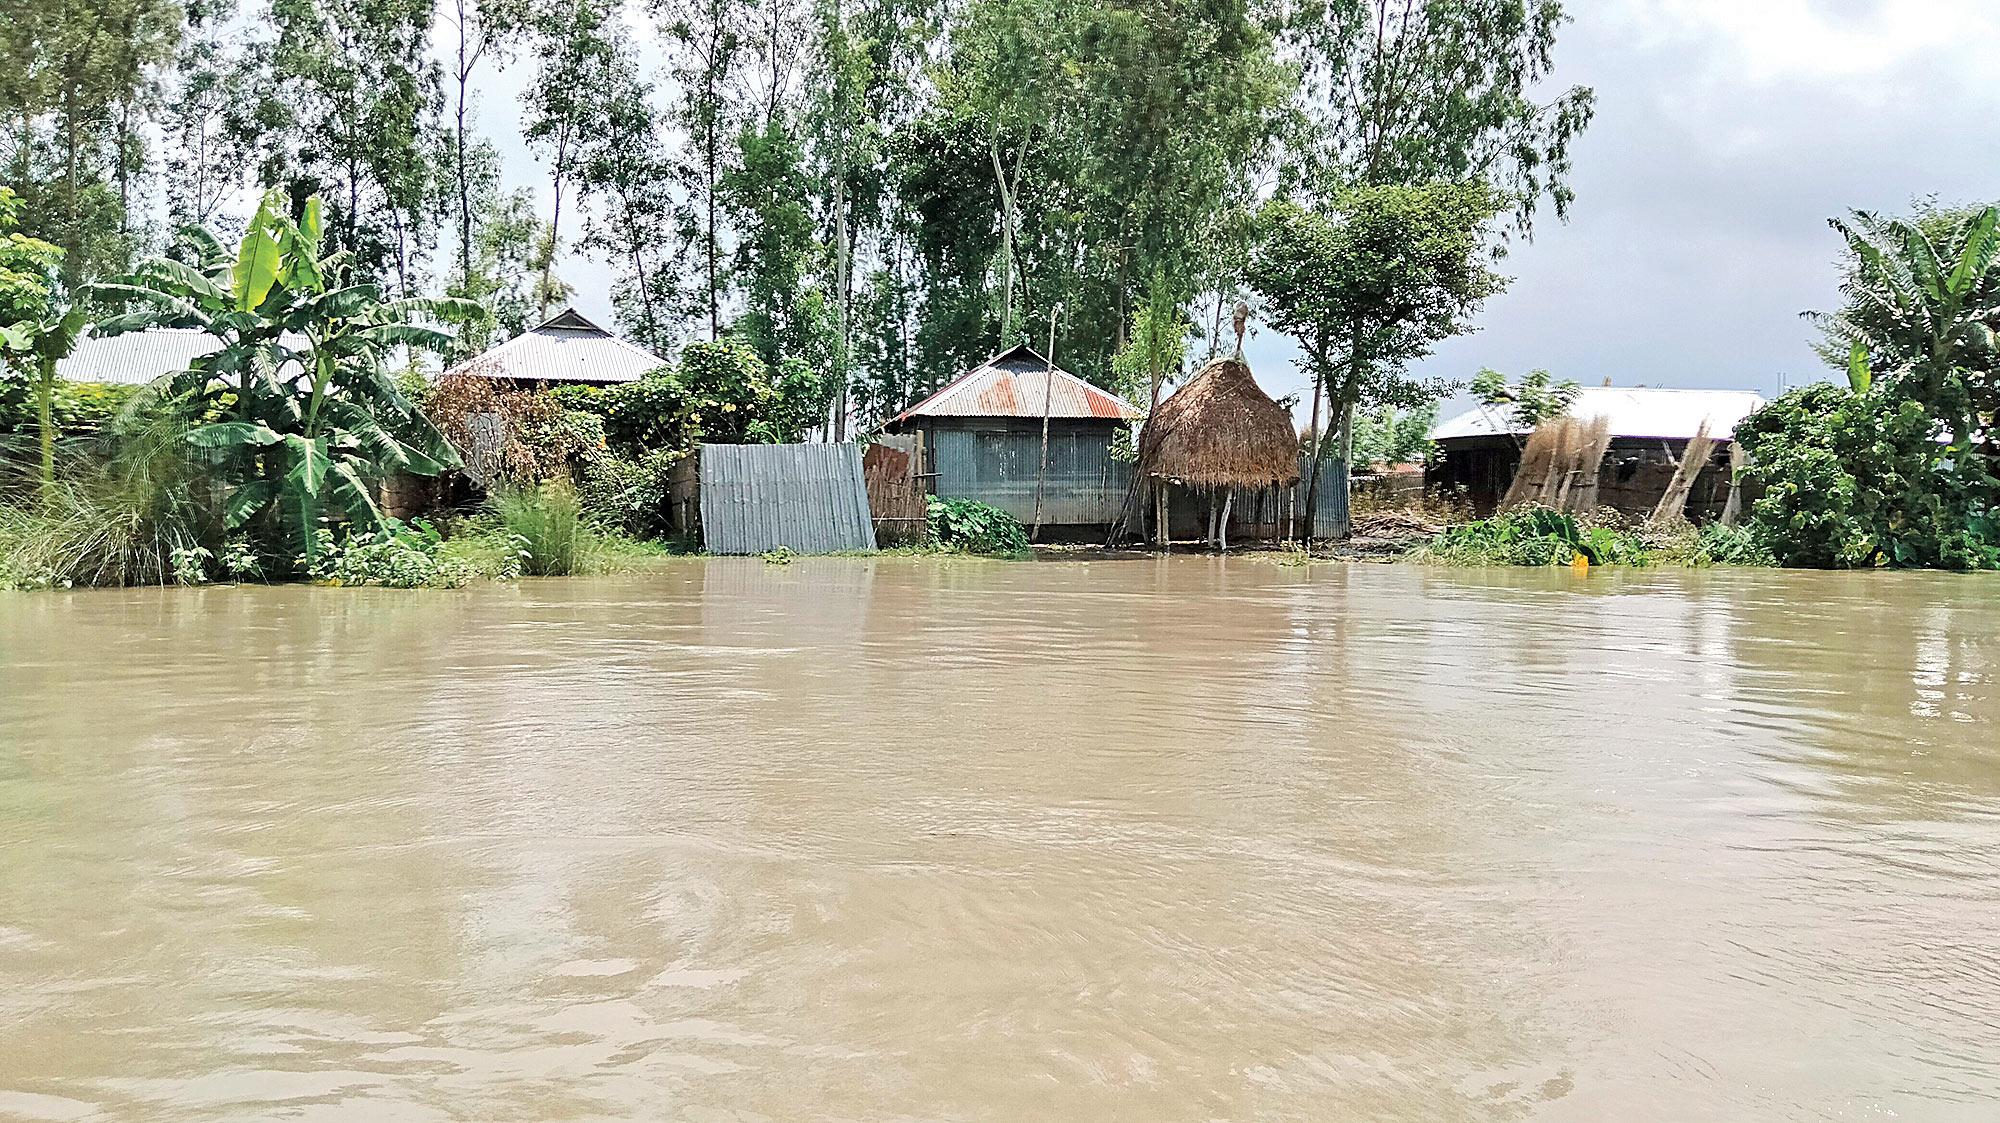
<point x="972" y="527"/>
<point x="1861" y="479"/>
<point x="79" y="409"/>
<point x="397" y="557"/>
<point x="117" y="514"/>
<point x="629" y="496"/>
<point x="1532" y="536"/>
<point x="548" y="523"/>
<point x="1732" y="545"/>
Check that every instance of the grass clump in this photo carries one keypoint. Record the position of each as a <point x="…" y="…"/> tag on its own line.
<point x="547" y="525"/>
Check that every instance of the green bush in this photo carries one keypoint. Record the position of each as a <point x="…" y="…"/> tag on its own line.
<point x="629" y="496"/>
<point x="79" y="409"/>
<point x="1862" y="480"/>
<point x="1533" y="536"/>
<point x="1732" y="545"/>
<point x="118" y="513"/>
<point x="972" y="527"/>
<point x="397" y="557"/>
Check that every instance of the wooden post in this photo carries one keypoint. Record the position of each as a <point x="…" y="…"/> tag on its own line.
<point x="1222" y="525"/>
<point x="1738" y="460"/>
<point x="1048" y="406"/>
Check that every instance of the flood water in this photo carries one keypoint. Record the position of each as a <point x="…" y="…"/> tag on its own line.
<point x="1149" y="841"/>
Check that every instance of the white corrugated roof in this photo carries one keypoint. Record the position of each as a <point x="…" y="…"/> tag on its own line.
<point x="1632" y="411"/>
<point x="566" y="347"/>
<point x="136" y="357"/>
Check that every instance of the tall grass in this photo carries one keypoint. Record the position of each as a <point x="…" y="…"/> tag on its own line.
<point x="547" y="524"/>
<point x="118" y="512"/>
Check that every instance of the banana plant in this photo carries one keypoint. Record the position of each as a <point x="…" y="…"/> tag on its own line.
<point x="296" y="403"/>
<point x="1923" y="313"/>
<point x="39" y="319"/>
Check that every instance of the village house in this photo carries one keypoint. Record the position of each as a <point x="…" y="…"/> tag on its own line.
<point x="1478" y="451"/>
<point x="981" y="438"/>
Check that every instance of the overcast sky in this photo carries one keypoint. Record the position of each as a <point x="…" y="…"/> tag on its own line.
<point x="1727" y="133"/>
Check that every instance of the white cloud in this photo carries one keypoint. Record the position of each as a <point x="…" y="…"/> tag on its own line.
<point x="1768" y="41"/>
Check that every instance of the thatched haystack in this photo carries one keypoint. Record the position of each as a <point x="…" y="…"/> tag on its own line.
<point x="1220" y="431"/>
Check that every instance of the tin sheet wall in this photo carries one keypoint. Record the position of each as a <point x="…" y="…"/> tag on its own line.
<point x="808" y="498"/>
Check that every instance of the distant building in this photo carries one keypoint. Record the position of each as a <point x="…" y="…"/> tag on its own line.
<point x="1479" y="450"/>
<point x="565" y="348"/>
<point x="982" y="439"/>
<point x="136" y="358"/>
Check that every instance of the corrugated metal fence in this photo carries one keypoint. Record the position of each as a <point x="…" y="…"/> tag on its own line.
<point x="808" y="498"/>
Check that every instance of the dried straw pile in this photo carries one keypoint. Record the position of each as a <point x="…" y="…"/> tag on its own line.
<point x="1220" y="431"/>
<point x="1560" y="464"/>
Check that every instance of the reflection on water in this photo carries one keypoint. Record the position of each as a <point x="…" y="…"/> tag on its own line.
<point x="898" y="840"/>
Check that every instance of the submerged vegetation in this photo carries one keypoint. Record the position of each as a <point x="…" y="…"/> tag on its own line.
<point x="968" y="526"/>
<point x="1538" y="536"/>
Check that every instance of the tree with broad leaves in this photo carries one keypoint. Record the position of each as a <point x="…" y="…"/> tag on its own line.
<point x="297" y="406"/>
<point x="1370" y="288"/>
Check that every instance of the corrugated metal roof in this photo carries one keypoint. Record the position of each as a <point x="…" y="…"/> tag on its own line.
<point x="566" y="347"/>
<point x="810" y="499"/>
<point x="1632" y="411"/>
<point x="1011" y="384"/>
<point x="136" y="358"/>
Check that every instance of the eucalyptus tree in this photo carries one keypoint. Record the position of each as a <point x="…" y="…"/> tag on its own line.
<point x="76" y="81"/>
<point x="704" y="42"/>
<point x="482" y="30"/>
<point x="1371" y="289"/>
<point x="1425" y="91"/>
<point x="205" y="119"/>
<point x="628" y="174"/>
<point x="577" y="42"/>
<point x="296" y="405"/>
<point x="347" y="101"/>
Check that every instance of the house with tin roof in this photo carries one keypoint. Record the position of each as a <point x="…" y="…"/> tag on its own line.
<point x="565" y="348"/>
<point x="980" y="437"/>
<point x="1479" y="450"/>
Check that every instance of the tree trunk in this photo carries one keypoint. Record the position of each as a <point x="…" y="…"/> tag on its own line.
<point x="1312" y="457"/>
<point x="45" y="389"/>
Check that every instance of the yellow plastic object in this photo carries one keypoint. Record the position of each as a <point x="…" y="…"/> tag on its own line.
<point x="1579" y="565"/>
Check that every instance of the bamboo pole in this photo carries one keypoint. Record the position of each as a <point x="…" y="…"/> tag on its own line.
<point x="1048" y="407"/>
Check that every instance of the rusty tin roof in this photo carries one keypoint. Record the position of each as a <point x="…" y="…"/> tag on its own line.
<point x="1011" y="384"/>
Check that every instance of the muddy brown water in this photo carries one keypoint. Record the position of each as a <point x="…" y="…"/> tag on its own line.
<point x="906" y="840"/>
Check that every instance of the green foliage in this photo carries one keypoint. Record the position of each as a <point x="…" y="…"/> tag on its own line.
<point x="392" y="555"/>
<point x="1386" y="435"/>
<point x="1862" y="480"/>
<point x="719" y="393"/>
<point x="81" y="410"/>
<point x="1395" y="92"/>
<point x="629" y="496"/>
<point x="114" y="515"/>
<point x="783" y="555"/>
<point x="1535" y="399"/>
<point x="1717" y="544"/>
<point x="972" y="527"/>
<point x="305" y="415"/>
<point x="1532" y="536"/>
<point x="547" y="523"/>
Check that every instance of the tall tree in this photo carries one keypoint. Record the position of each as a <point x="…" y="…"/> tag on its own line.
<point x="482" y="31"/>
<point x="349" y="102"/>
<point x="628" y="174"/>
<point x="704" y="42"/>
<point x="1423" y="91"/>
<point x="1371" y="289"/>
<point x="80" y="74"/>
<point x="577" y="42"/>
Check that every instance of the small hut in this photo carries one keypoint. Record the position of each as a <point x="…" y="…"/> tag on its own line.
<point x="1218" y="435"/>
